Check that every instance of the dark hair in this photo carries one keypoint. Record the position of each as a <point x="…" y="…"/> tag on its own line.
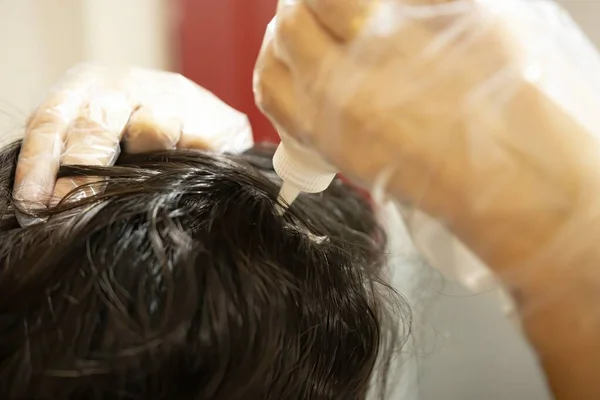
<point x="179" y="280"/>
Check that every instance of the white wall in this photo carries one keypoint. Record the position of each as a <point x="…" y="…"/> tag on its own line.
<point x="587" y="14"/>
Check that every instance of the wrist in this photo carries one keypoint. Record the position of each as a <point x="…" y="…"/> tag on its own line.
<point x="557" y="298"/>
<point x="559" y="315"/>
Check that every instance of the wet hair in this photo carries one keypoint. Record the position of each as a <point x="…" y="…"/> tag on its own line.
<point x="180" y="280"/>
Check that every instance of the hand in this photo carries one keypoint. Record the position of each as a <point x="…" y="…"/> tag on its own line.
<point x="481" y="113"/>
<point x="464" y="109"/>
<point x="94" y="108"/>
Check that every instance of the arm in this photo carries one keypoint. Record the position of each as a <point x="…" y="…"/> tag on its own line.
<point x="538" y="233"/>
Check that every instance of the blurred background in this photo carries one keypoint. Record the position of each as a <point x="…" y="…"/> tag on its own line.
<point x="472" y="352"/>
<point x="213" y="42"/>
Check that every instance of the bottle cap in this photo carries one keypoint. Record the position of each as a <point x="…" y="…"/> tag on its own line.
<point x="300" y="172"/>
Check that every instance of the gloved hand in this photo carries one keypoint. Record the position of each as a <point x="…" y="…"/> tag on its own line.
<point x="480" y="113"/>
<point x="94" y="108"/>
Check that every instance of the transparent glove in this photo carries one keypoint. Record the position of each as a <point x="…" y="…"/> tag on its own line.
<point x="93" y="109"/>
<point x="481" y="113"/>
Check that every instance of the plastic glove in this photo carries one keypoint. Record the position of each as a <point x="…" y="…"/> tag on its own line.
<point x="483" y="114"/>
<point x="94" y="108"/>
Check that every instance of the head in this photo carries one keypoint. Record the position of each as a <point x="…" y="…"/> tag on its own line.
<point x="180" y="280"/>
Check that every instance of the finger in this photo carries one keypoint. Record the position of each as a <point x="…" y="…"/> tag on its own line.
<point x="93" y="139"/>
<point x="232" y="135"/>
<point x="210" y="123"/>
<point x="42" y="147"/>
<point x="150" y="130"/>
<point x="156" y="124"/>
<point x="280" y="98"/>
<point x="342" y="18"/>
<point x="345" y="19"/>
<point x="303" y="45"/>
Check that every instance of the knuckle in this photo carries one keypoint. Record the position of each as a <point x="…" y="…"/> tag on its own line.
<point x="266" y="78"/>
<point x="285" y="23"/>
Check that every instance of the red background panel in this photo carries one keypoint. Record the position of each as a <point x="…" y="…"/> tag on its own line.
<point x="219" y="43"/>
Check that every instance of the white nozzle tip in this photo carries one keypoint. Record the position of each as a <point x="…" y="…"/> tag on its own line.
<point x="287" y="195"/>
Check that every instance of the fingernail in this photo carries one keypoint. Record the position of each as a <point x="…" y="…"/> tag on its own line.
<point x="26" y="220"/>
